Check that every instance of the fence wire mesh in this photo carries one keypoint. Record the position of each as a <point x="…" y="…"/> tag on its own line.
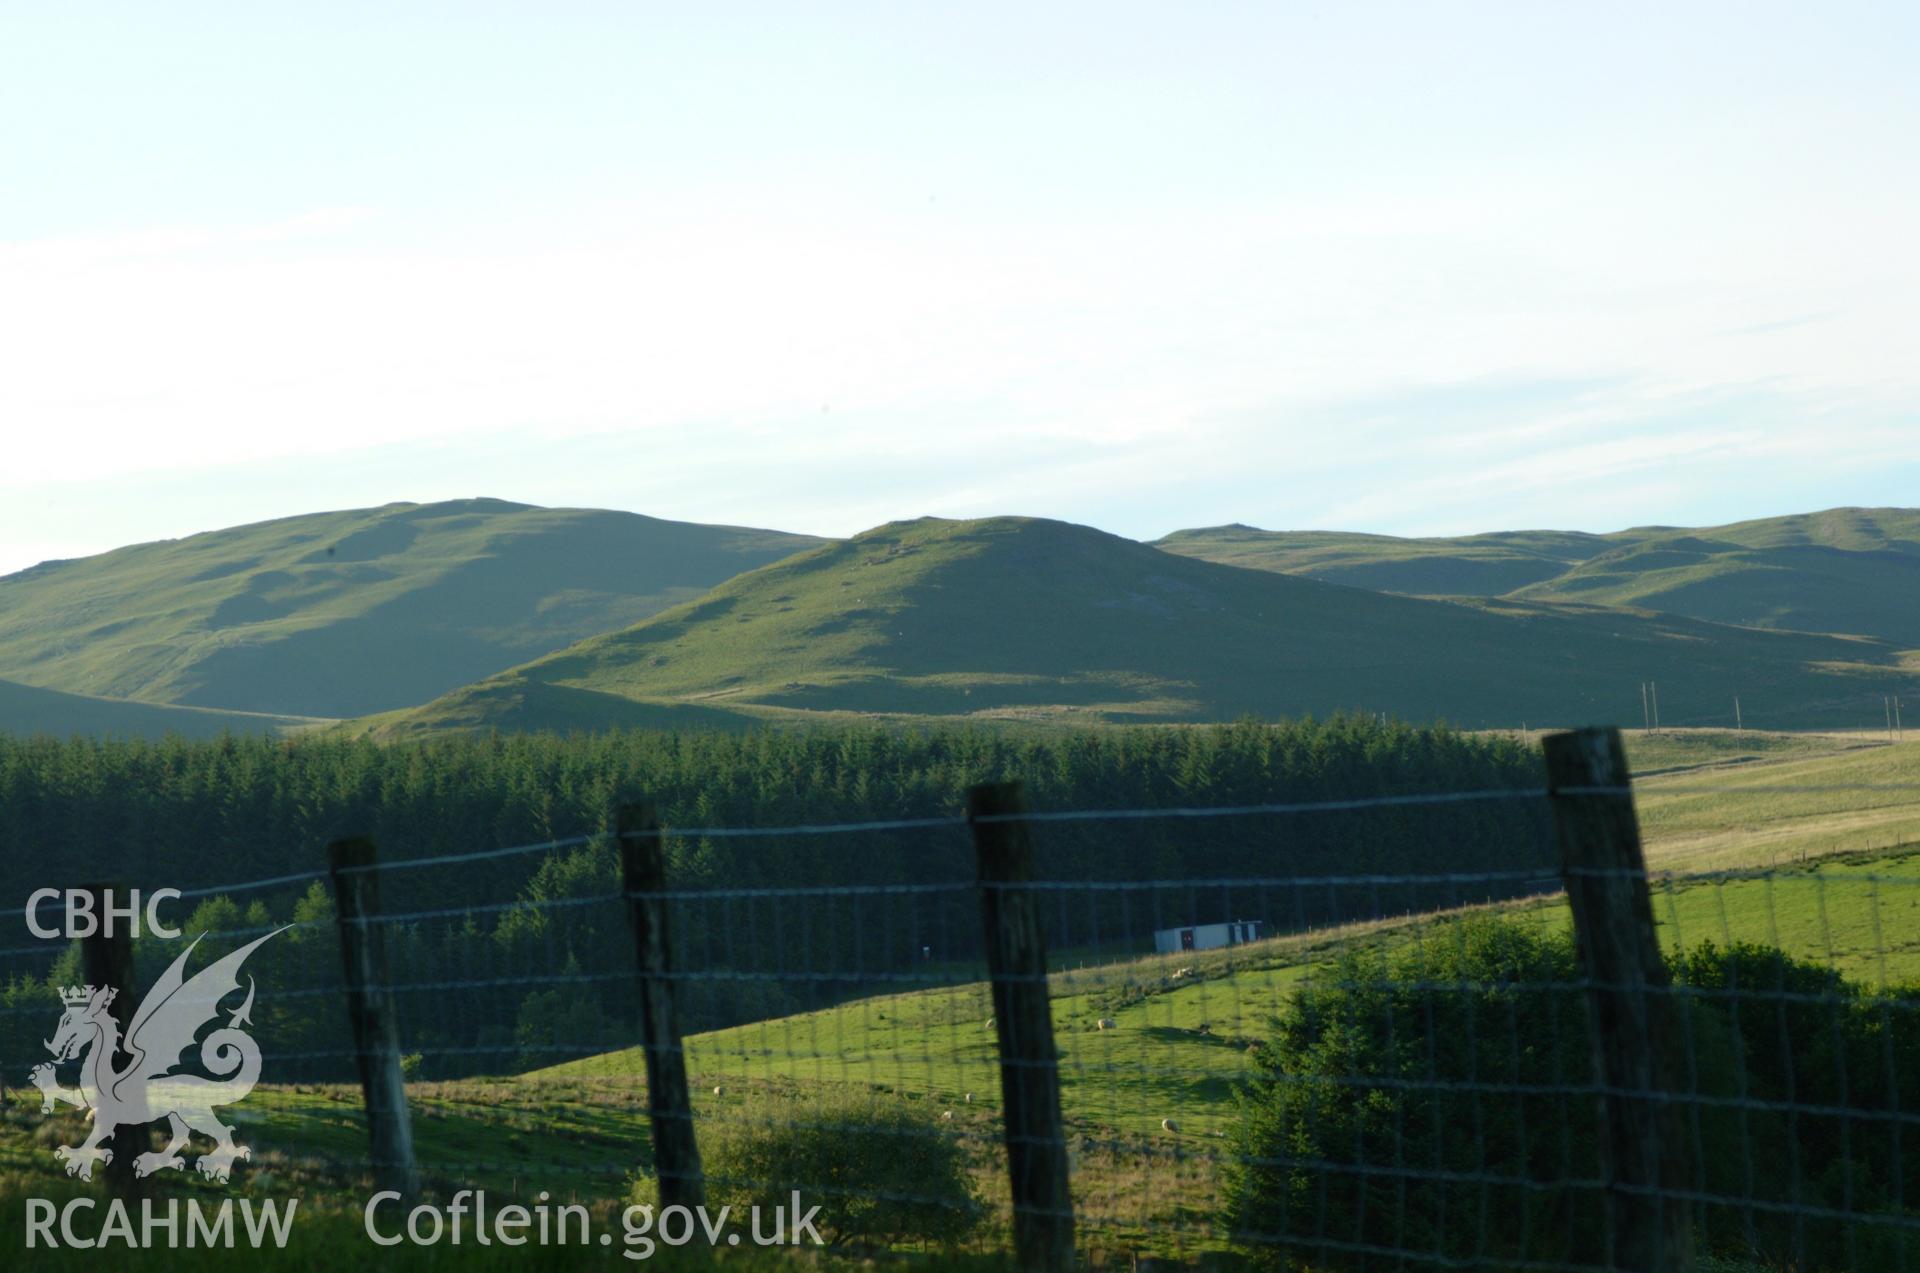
<point x="1261" y="1050"/>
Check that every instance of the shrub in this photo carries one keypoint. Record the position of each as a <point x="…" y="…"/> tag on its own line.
<point x="1396" y="1111"/>
<point x="880" y="1170"/>
<point x="1432" y="1107"/>
<point x="1830" y="1185"/>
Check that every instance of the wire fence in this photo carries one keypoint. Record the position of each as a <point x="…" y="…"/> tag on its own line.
<point x="1314" y="1068"/>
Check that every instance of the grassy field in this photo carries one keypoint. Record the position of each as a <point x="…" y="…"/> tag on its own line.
<point x="1713" y="799"/>
<point x="1179" y="1041"/>
<point x="1028" y="618"/>
<point x="1792" y="809"/>
<point x="1176" y="1047"/>
<point x="1652" y="753"/>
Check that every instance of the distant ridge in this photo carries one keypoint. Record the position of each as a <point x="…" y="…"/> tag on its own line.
<point x="1025" y="618"/>
<point x="489" y="614"/>
<point x="340" y="614"/>
<point x="1471" y="566"/>
<point x="1851" y="570"/>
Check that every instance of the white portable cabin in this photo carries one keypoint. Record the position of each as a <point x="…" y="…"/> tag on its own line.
<point x="1171" y="941"/>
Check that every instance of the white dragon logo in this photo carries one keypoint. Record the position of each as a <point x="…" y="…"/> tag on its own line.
<point x="146" y="1088"/>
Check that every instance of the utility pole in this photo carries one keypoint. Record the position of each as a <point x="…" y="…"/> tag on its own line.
<point x="1738" y="725"/>
<point x="1646" y="713"/>
<point x="1656" y="704"/>
<point x="1886" y="704"/>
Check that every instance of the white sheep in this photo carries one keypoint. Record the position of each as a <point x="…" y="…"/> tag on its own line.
<point x="947" y="1116"/>
<point x="1107" y="1023"/>
<point x="718" y="1090"/>
<point x="968" y="1098"/>
<point x="1168" y="1125"/>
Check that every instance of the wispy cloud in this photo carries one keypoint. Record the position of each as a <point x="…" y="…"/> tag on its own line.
<point x="1781" y="324"/>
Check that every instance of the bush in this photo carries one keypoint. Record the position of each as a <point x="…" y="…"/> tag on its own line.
<point x="1831" y="1184"/>
<point x="880" y="1170"/>
<point x="1428" y="1108"/>
<point x="1385" y="1116"/>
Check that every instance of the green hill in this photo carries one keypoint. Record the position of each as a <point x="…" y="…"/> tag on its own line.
<point x="1852" y="570"/>
<point x="1846" y="529"/>
<point x="347" y="613"/>
<point x="26" y="711"/>
<point x="1469" y="566"/>
<point x="1020" y="617"/>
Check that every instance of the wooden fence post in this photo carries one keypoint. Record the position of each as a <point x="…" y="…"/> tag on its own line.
<point x="643" y="866"/>
<point x="106" y="959"/>
<point x="1023" y="1019"/>
<point x="1631" y="1011"/>
<point x="376" y="1035"/>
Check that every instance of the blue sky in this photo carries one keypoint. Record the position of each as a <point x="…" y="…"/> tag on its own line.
<point x="1413" y="269"/>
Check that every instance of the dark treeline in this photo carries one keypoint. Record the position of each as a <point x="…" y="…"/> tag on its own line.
<point x="203" y="815"/>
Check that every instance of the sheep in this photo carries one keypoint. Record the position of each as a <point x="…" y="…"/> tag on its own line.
<point x="968" y="1098"/>
<point x="1168" y="1125"/>
<point x="1107" y="1023"/>
<point x="718" y="1090"/>
<point x="989" y="1023"/>
<point x="947" y="1116"/>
